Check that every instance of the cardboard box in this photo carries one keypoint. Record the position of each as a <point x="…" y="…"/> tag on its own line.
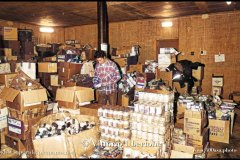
<point x="15" y="143"/>
<point x="47" y="67"/>
<point x="9" y="33"/>
<point x="50" y="59"/>
<point x="54" y="80"/>
<point x="6" y="78"/>
<point x="3" y="117"/>
<point x="90" y="109"/>
<point x="21" y="100"/>
<point x="11" y="58"/>
<point x="138" y="67"/>
<point x="194" y="122"/>
<point x="6" y="51"/>
<point x="178" y="154"/>
<point x="198" y="140"/>
<point x="219" y="130"/>
<point x="70" y="97"/>
<point x="165" y="76"/>
<point x="27" y="67"/>
<point x="67" y="70"/>
<point x="5" y="68"/>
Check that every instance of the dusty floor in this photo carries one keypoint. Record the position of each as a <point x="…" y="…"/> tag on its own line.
<point x="231" y="150"/>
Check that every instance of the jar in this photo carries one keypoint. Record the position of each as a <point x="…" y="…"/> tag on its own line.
<point x="146" y="109"/>
<point x="164" y="147"/>
<point x="104" y="112"/>
<point x="117" y="139"/>
<point x="156" y="129"/>
<point x="101" y="120"/>
<point x="106" y="129"/>
<point x="102" y="129"/>
<point x="156" y="120"/>
<point x="136" y="107"/>
<point x="119" y="124"/>
<point x="125" y="115"/>
<point x="162" y="130"/>
<point x="127" y="133"/>
<point x="115" y="114"/>
<point x="133" y="116"/>
<point x="144" y="127"/>
<point x="159" y="110"/>
<point x="108" y="137"/>
<point x="161" y="139"/>
<point x="105" y="121"/>
<point x="110" y="114"/>
<point x="150" y="129"/>
<point x="103" y="136"/>
<point x="166" y="98"/>
<point x="141" y="108"/>
<point x="121" y="133"/>
<point x="150" y="119"/>
<point x="112" y="138"/>
<point x="139" y="126"/>
<point x="144" y="135"/>
<point x="139" y="134"/>
<point x="134" y="125"/>
<point x="139" y="117"/>
<point x="152" y="110"/>
<point x="120" y="115"/>
<point x="155" y="137"/>
<point x="125" y="124"/>
<point x="100" y="112"/>
<point x="116" y="131"/>
<point x="114" y="123"/>
<point x="149" y="136"/>
<point x="122" y="140"/>
<point x="144" y="118"/>
<point x="110" y="122"/>
<point x="110" y="130"/>
<point x="134" y="133"/>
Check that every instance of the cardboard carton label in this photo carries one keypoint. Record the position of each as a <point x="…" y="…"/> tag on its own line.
<point x="15" y="125"/>
<point x="3" y="117"/>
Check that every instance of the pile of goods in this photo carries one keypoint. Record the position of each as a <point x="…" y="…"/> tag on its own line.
<point x="67" y="126"/>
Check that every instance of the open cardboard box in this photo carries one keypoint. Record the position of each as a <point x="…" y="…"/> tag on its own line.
<point x="70" y="97"/>
<point x="20" y="100"/>
<point x="65" y="146"/>
<point x="4" y="78"/>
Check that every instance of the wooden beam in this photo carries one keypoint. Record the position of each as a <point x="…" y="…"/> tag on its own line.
<point x="203" y="6"/>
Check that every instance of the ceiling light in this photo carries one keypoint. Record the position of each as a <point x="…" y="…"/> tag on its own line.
<point x="46" y="29"/>
<point x="167" y="24"/>
<point x="228" y="2"/>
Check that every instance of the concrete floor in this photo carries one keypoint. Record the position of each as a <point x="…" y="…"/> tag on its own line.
<point x="231" y="150"/>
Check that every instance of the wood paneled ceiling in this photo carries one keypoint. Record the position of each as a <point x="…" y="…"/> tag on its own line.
<point x="66" y="14"/>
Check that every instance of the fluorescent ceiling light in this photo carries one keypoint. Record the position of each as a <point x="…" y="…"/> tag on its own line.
<point x="228" y="2"/>
<point x="167" y="24"/>
<point x="46" y="29"/>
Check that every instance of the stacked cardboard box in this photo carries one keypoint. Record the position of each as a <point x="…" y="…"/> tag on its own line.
<point x="9" y="44"/>
<point x="73" y="97"/>
<point x="25" y="106"/>
<point x="66" y="70"/>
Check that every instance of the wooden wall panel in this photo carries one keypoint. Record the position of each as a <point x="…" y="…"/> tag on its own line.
<point x="144" y="33"/>
<point x="218" y="34"/>
<point x="56" y="37"/>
